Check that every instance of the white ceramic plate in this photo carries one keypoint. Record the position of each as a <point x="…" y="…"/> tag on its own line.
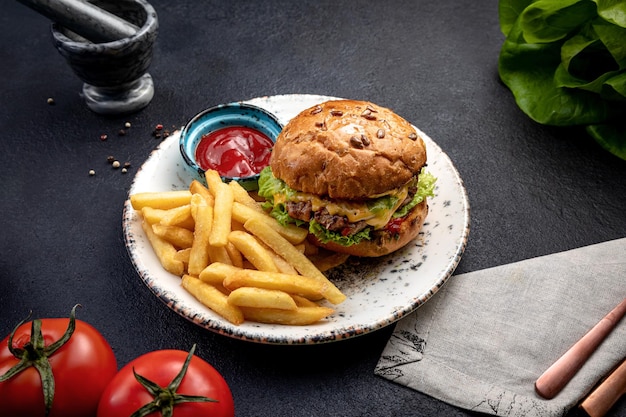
<point x="379" y="291"/>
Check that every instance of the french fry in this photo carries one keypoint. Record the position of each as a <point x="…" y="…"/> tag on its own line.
<point x="199" y="255"/>
<point x="261" y="298"/>
<point x="303" y="301"/>
<point x="297" y="259"/>
<point x="293" y="284"/>
<point x="178" y="236"/>
<point x="302" y="316"/>
<point x="309" y="249"/>
<point x="234" y="254"/>
<point x="214" y="181"/>
<point x="222" y="289"/>
<point x="292" y="233"/>
<point x="216" y="273"/>
<point x="222" y="215"/>
<point x="177" y="216"/>
<point x="324" y="262"/>
<point x="196" y="187"/>
<point x="241" y="196"/>
<point x="253" y="251"/>
<point x="219" y="254"/>
<point x="213" y="298"/>
<point x="160" y="200"/>
<point x="282" y="265"/>
<point x="188" y="223"/>
<point x="183" y="255"/>
<point x="165" y="251"/>
<point x="152" y="215"/>
<point x="196" y="201"/>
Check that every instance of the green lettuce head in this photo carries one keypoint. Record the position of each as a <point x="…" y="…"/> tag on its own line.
<point x="565" y="63"/>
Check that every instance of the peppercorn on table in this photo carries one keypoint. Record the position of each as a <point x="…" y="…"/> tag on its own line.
<point x="66" y="173"/>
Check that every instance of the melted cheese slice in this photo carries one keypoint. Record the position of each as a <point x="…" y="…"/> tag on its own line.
<point x="354" y="211"/>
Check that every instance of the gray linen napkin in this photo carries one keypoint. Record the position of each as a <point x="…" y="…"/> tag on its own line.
<point x="481" y="342"/>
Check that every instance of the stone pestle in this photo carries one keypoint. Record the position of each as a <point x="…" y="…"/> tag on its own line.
<point x="85" y="19"/>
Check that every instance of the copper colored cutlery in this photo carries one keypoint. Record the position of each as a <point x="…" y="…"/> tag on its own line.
<point x="550" y="383"/>
<point x="601" y="399"/>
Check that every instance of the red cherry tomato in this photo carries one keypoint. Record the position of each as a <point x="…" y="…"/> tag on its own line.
<point x="126" y="395"/>
<point x="80" y="369"/>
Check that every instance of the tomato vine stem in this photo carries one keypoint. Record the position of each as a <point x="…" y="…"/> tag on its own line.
<point x="166" y="398"/>
<point x="35" y="353"/>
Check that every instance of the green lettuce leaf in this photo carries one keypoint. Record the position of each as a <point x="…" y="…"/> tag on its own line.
<point x="610" y="137"/>
<point x="613" y="11"/>
<point x="615" y="87"/>
<point x="529" y="71"/>
<point x="614" y="40"/>
<point x="425" y="188"/>
<point x="325" y="235"/>
<point x="381" y="204"/>
<point x="565" y="63"/>
<point x="509" y="11"/>
<point x="269" y="186"/>
<point x="546" y="21"/>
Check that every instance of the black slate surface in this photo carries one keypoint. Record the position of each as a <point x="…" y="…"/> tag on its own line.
<point x="533" y="190"/>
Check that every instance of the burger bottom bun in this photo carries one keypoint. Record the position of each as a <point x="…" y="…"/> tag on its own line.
<point x="383" y="243"/>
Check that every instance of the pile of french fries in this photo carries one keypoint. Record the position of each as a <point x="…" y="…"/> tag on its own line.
<point x="234" y="257"/>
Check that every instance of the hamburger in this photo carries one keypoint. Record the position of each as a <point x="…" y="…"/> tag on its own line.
<point x="354" y="174"/>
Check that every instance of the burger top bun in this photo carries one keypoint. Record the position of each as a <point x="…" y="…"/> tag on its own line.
<point x="347" y="149"/>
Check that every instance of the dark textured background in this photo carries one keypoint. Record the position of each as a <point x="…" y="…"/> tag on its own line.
<point x="533" y="190"/>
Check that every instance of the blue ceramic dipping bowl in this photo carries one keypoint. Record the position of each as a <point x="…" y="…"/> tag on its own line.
<point x="219" y="117"/>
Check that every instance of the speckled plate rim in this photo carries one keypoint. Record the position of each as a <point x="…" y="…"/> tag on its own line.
<point x="379" y="291"/>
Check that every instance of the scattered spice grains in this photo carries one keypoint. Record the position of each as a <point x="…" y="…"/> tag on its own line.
<point x="159" y="131"/>
<point x="115" y="164"/>
<point x="122" y="132"/>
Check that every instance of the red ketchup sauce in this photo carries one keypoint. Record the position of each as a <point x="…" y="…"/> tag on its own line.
<point x="234" y="151"/>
